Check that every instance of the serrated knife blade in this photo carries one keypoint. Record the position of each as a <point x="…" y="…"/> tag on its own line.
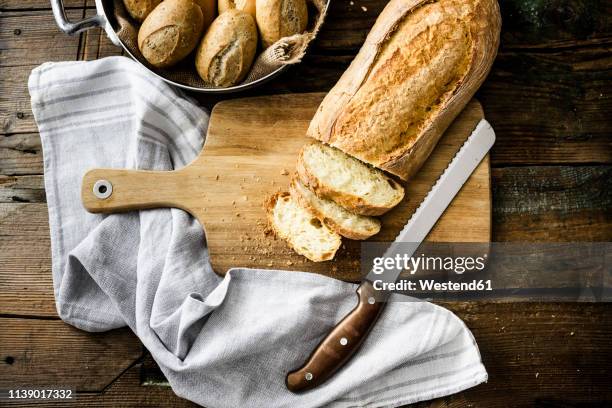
<point x="439" y="197"/>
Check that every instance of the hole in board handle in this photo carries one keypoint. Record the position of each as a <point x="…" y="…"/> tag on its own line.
<point x="102" y="189"/>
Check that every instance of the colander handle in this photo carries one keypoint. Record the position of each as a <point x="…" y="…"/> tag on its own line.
<point x="71" y="28"/>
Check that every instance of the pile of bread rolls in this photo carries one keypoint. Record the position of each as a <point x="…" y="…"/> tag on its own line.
<point x="224" y="36"/>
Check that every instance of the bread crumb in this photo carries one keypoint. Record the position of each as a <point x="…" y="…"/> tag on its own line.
<point x="269" y="263"/>
<point x="237" y="214"/>
<point x="289" y="263"/>
<point x="284" y="172"/>
<point x="217" y="177"/>
<point x="233" y="202"/>
<point x="364" y="8"/>
<point x="245" y="198"/>
<point x="537" y="375"/>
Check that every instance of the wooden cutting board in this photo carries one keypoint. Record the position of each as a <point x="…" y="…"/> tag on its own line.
<point x="250" y="153"/>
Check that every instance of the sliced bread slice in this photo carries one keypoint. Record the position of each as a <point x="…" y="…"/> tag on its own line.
<point x="356" y="186"/>
<point x="345" y="223"/>
<point x="302" y="230"/>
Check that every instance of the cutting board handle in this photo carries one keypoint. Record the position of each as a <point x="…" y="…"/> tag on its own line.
<point x="113" y="190"/>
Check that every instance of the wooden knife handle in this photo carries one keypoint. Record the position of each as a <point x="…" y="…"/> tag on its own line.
<point x="113" y="190"/>
<point x="340" y="344"/>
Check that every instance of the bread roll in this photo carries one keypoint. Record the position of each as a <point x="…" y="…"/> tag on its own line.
<point x="170" y="32"/>
<point x="280" y="18"/>
<point x="244" y="5"/>
<point x="226" y="52"/>
<point x="419" y="66"/>
<point x="209" y="10"/>
<point x="140" y="9"/>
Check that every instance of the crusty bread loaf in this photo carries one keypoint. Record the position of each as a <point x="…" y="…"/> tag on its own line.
<point x="280" y="18"/>
<point x="304" y="232"/>
<point x="170" y="32"/>
<point x="226" y="52"/>
<point x="421" y="63"/>
<point x="334" y="175"/>
<point x="345" y="223"/>
<point x="140" y="9"/>
<point x="244" y="5"/>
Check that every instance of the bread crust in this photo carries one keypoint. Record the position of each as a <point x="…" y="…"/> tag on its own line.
<point x="353" y="203"/>
<point x="345" y="232"/>
<point x="244" y="5"/>
<point x="170" y="32"/>
<point x="226" y="53"/>
<point x="420" y="65"/>
<point x="269" y="205"/>
<point x="280" y="18"/>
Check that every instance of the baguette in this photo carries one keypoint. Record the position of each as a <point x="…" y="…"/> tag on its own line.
<point x="336" y="176"/>
<point x="280" y="18"/>
<point x="345" y="223"/>
<point x="304" y="232"/>
<point x="419" y="66"/>
<point x="226" y="52"/>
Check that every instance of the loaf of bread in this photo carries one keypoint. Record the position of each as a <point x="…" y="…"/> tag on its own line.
<point x="170" y="32"/>
<point x="421" y="63"/>
<point x="226" y="52"/>
<point x="209" y="10"/>
<point x="345" y="223"/>
<point x="336" y="176"/>
<point x="244" y="5"/>
<point x="280" y="18"/>
<point x="304" y="232"/>
<point x="140" y="9"/>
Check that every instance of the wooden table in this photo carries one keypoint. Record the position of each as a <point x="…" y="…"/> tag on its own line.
<point x="549" y="99"/>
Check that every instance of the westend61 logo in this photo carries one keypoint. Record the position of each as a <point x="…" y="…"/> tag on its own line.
<point x="413" y="264"/>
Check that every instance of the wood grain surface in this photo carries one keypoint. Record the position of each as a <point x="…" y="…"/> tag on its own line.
<point x="548" y="98"/>
<point x="250" y="153"/>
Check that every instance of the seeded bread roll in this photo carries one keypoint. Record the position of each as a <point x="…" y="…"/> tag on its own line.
<point x="345" y="223"/>
<point x="419" y="66"/>
<point x="170" y="32"/>
<point x="304" y="232"/>
<point x="140" y="9"/>
<point x="336" y="176"/>
<point x="244" y="5"/>
<point x="280" y="18"/>
<point x="226" y="52"/>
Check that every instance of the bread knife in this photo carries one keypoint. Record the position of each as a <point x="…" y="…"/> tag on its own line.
<point x="348" y="335"/>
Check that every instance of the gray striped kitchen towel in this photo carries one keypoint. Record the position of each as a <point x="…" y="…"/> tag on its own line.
<point x="221" y="342"/>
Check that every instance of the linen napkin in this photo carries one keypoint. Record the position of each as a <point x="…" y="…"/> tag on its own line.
<point x="221" y="342"/>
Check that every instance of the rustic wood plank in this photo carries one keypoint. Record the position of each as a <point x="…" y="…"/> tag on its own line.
<point x="23" y="189"/>
<point x="6" y="5"/>
<point x="556" y="203"/>
<point x="526" y="24"/>
<point x="550" y="108"/>
<point x="535" y="351"/>
<point x="15" y="112"/>
<point x="125" y="392"/>
<point x="20" y="154"/>
<point x="50" y="352"/>
<point x="32" y="37"/>
<point x="25" y="261"/>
